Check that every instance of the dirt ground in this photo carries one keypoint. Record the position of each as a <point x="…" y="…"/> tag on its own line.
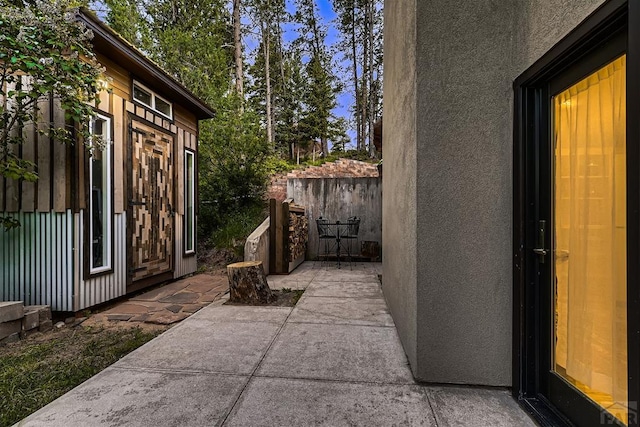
<point x="78" y="334"/>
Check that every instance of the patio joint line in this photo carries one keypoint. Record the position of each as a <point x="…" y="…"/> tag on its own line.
<point x="433" y="411"/>
<point x="296" y="322"/>
<point x="255" y="369"/>
<point x="344" y="297"/>
<point x="177" y="371"/>
<point x="329" y="380"/>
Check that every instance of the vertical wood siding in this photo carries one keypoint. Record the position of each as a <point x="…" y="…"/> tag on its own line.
<point x="37" y="261"/>
<point x="103" y="288"/>
<point x="183" y="265"/>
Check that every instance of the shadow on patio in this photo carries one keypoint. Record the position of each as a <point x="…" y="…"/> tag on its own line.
<point x="334" y="359"/>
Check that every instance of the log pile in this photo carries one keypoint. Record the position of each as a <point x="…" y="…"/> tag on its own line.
<point x="298" y="235"/>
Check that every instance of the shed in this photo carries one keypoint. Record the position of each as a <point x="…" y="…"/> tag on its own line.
<point x="97" y="227"/>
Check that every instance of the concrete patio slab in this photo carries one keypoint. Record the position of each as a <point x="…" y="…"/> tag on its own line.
<point x="282" y="282"/>
<point x="337" y="352"/>
<point x="345" y="275"/>
<point x="143" y="398"/>
<point x="316" y="364"/>
<point x="462" y="406"/>
<point x="346" y="311"/>
<point x="199" y="345"/>
<point x="286" y="402"/>
<point x="344" y="289"/>
<point x="240" y="313"/>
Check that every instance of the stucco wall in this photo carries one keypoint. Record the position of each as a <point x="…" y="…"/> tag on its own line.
<point x="338" y="199"/>
<point x="459" y="131"/>
<point x="399" y="234"/>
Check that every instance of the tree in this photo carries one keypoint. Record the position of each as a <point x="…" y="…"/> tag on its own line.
<point x="320" y="96"/>
<point x="237" y="45"/>
<point x="361" y="27"/>
<point x="44" y="52"/>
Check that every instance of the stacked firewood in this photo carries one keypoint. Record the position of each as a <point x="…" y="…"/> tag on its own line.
<point x="298" y="235"/>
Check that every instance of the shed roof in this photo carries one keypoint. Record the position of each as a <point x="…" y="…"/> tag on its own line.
<point x="110" y="43"/>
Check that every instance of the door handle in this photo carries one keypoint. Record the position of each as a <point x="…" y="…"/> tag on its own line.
<point x="540" y="250"/>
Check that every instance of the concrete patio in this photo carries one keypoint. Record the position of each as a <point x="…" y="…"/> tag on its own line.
<point x="335" y="360"/>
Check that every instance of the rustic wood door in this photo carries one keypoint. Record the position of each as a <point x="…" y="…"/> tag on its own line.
<point x="150" y="202"/>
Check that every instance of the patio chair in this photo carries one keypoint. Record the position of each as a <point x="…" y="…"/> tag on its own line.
<point x="326" y="235"/>
<point x="352" y="230"/>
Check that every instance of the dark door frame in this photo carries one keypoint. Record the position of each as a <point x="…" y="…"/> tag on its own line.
<point x="614" y="18"/>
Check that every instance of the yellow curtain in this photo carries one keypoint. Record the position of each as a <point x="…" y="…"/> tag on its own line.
<point x="590" y="233"/>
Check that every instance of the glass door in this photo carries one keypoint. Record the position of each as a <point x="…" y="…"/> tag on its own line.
<point x="589" y="231"/>
<point x="583" y="268"/>
<point x="577" y="225"/>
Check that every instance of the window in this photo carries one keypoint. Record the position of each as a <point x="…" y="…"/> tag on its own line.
<point x="148" y="98"/>
<point x="100" y="195"/>
<point x="189" y="202"/>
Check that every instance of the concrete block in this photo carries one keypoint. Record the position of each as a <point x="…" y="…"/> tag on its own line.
<point x="45" y="325"/>
<point x="31" y="319"/>
<point x="11" y="310"/>
<point x="256" y="248"/>
<point x="44" y="311"/>
<point x="11" y="338"/>
<point x="9" y="328"/>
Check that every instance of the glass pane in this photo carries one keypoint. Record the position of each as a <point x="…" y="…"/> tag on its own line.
<point x="163" y="107"/>
<point x="590" y="349"/>
<point x="99" y="207"/>
<point x="189" y="201"/>
<point x="141" y="95"/>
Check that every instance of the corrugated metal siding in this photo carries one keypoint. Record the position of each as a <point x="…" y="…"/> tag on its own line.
<point x="107" y="286"/>
<point x="36" y="260"/>
<point x="183" y="265"/>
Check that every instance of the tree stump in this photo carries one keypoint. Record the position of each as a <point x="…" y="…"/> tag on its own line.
<point x="248" y="283"/>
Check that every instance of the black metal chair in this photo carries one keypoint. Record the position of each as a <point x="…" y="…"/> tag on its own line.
<point x="326" y="235"/>
<point x="352" y="230"/>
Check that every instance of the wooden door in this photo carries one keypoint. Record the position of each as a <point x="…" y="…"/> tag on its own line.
<point x="150" y="203"/>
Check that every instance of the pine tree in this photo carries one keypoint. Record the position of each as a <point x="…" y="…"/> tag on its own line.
<point x="322" y="87"/>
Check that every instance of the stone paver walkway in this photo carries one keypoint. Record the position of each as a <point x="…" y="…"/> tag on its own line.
<point x="170" y="303"/>
<point x="333" y="360"/>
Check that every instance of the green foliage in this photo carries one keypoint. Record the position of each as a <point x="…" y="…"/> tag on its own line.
<point x="41" y="372"/>
<point x="43" y="51"/>
<point x="276" y="164"/>
<point x="232" y="168"/>
<point x="125" y="17"/>
<point x="231" y="234"/>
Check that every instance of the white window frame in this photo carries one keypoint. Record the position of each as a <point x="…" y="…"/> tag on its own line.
<point x="154" y="95"/>
<point x="106" y="197"/>
<point x="190" y="195"/>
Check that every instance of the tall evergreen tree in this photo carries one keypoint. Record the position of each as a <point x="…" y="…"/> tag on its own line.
<point x="361" y="26"/>
<point x="322" y="87"/>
